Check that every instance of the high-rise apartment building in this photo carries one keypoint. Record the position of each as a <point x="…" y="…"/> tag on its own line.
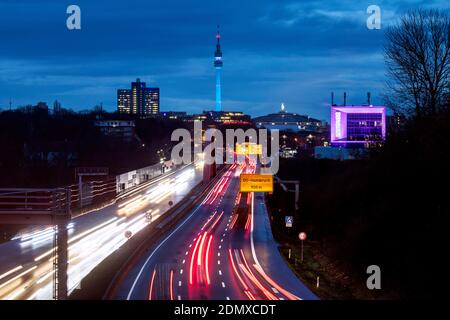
<point x="138" y="100"/>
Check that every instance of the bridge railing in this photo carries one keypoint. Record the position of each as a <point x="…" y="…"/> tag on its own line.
<point x="33" y="200"/>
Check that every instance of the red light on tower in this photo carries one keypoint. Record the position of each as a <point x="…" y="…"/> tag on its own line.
<point x="218" y="33"/>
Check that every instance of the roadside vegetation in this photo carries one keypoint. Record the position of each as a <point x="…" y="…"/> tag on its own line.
<point x="42" y="149"/>
<point x="391" y="210"/>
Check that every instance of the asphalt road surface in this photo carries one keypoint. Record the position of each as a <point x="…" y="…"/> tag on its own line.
<point x="222" y="250"/>
<point x="26" y="262"/>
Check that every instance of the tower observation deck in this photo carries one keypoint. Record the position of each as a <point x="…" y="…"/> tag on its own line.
<point x="218" y="64"/>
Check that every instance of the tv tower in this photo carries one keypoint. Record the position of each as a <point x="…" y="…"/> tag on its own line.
<point x="218" y="64"/>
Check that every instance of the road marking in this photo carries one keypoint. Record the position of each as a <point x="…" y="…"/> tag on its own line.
<point x="251" y="230"/>
<point x="221" y="240"/>
<point x="220" y="247"/>
<point x="181" y="271"/>
<point x="179" y="283"/>
<point x="156" y="249"/>
<point x="218" y="261"/>
<point x="10" y="272"/>
<point x="252" y="244"/>
<point x="187" y="253"/>
<point x="220" y="272"/>
<point x="184" y="261"/>
<point x="4" y="284"/>
<point x="228" y="298"/>
<point x="223" y="284"/>
<point x="274" y="290"/>
<point x="218" y="254"/>
<point x="179" y="297"/>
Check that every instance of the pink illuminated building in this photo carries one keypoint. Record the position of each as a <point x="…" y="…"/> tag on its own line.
<point x="357" y="125"/>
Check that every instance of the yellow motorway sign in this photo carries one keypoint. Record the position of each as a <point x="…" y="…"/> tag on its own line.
<point x="248" y="148"/>
<point x="256" y="182"/>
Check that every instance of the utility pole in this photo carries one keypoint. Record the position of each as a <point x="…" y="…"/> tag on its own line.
<point x="296" y="190"/>
<point x="61" y="263"/>
<point x="61" y="246"/>
<point x="55" y="212"/>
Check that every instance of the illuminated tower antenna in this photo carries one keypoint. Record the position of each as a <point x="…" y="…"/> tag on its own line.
<point x="218" y="64"/>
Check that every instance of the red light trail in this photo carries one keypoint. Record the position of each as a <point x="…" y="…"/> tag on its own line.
<point x="191" y="271"/>
<point x="171" y="284"/>
<point x="151" y="285"/>
<point x="208" y="280"/>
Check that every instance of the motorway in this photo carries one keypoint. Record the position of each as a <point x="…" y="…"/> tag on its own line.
<point x="222" y="250"/>
<point x="26" y="262"/>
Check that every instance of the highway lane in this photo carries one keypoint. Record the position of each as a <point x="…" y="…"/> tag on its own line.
<point x="221" y="251"/>
<point x="26" y="263"/>
<point x="266" y="247"/>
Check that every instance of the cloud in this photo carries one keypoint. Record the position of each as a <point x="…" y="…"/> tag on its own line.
<point x="291" y="51"/>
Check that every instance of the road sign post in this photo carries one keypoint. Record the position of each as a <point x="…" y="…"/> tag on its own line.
<point x="256" y="182"/>
<point x="248" y="148"/>
<point x="301" y="258"/>
<point x="128" y="234"/>
<point x="302" y="237"/>
<point x="289" y="220"/>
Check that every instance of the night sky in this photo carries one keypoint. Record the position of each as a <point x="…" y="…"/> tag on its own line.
<point x="275" y="51"/>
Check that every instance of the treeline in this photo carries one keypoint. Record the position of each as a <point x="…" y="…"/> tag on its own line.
<point x="42" y="149"/>
<point x="391" y="211"/>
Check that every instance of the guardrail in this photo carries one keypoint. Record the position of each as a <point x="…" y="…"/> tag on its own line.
<point x="34" y="200"/>
<point x="76" y="197"/>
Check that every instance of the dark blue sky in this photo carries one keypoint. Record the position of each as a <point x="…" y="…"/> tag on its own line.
<point x="275" y="51"/>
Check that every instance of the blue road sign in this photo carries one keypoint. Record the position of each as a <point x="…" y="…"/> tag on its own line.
<point x="289" y="220"/>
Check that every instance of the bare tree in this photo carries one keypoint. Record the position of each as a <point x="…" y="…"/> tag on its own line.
<point x="417" y="55"/>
